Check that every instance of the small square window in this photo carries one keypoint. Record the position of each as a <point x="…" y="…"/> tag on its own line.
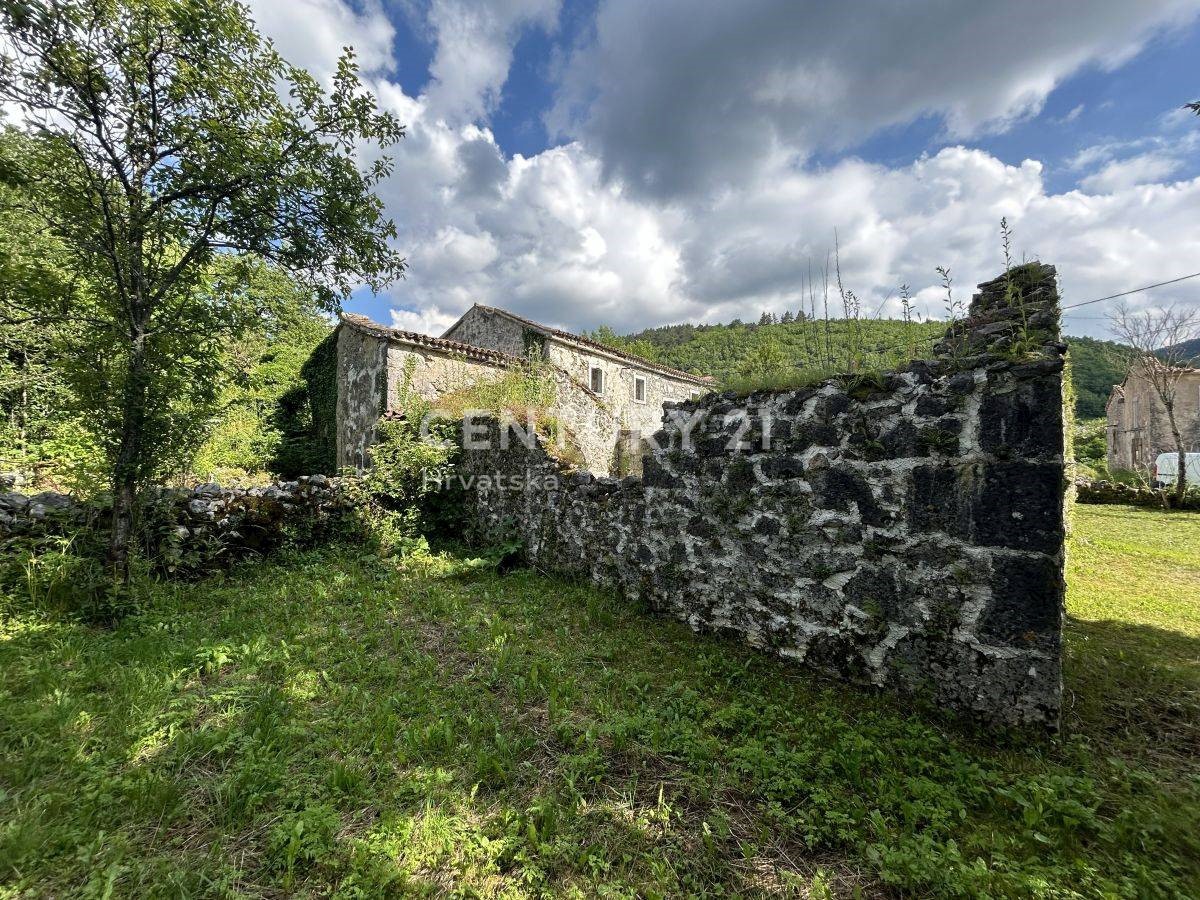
<point x="597" y="380"/>
<point x="639" y="388"/>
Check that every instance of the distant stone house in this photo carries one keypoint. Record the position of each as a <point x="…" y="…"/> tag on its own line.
<point x="605" y="398"/>
<point x="1138" y="430"/>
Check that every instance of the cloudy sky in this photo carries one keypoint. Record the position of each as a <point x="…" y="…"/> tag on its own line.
<point x="638" y="163"/>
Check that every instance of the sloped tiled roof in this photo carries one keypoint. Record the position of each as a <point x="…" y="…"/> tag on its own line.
<point x="362" y="323"/>
<point x="704" y="380"/>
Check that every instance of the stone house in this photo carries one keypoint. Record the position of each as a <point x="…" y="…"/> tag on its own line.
<point x="634" y="389"/>
<point x="606" y="398"/>
<point x="1138" y="430"/>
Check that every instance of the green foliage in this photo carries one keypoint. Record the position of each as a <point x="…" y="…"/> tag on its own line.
<point x="306" y="415"/>
<point x="173" y="152"/>
<point x="1095" y="367"/>
<point x="737" y="355"/>
<point x="730" y="352"/>
<point x="330" y="725"/>
<point x="61" y="573"/>
<point x="1091" y="447"/>
<point x="516" y="391"/>
<point x="392" y="497"/>
<point x="264" y="423"/>
<point x="520" y="395"/>
<point x="40" y="434"/>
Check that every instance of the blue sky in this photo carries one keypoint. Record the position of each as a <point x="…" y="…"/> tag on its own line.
<point x="633" y="164"/>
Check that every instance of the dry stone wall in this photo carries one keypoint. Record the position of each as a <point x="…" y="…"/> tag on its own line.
<point x="208" y="521"/>
<point x="905" y="531"/>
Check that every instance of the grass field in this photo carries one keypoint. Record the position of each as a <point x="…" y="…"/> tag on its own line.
<point x="324" y="724"/>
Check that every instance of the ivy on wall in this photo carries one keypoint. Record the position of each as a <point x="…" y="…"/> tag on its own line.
<point x="308" y="416"/>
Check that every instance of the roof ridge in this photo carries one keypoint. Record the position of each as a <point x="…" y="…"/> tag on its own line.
<point x="568" y="335"/>
<point x="424" y="340"/>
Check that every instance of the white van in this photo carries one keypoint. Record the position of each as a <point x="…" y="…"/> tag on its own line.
<point x="1166" y="468"/>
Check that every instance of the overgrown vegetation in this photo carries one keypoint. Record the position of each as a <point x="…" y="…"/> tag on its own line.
<point x="1095" y="367"/>
<point x="259" y="425"/>
<point x="168" y="150"/>
<point x="732" y="353"/>
<point x="526" y="395"/>
<point x="397" y="500"/>
<point x="329" y="724"/>
<point x="1091" y="448"/>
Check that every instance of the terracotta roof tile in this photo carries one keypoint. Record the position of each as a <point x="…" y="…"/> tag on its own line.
<point x="362" y="323"/>
<point x="705" y="380"/>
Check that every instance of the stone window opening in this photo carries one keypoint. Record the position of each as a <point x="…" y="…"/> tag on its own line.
<point x="597" y="380"/>
<point x="639" y="389"/>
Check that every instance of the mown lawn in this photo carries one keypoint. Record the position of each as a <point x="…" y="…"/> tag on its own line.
<point x="324" y="724"/>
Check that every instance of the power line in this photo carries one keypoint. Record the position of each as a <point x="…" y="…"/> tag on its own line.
<point x="1134" y="291"/>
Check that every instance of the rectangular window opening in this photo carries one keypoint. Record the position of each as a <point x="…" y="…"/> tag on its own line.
<point x="597" y="380"/>
<point x="639" y="388"/>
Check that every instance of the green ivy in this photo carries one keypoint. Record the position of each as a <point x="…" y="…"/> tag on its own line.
<point x="307" y="416"/>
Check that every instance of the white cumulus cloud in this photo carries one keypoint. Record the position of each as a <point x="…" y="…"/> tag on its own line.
<point x="590" y="233"/>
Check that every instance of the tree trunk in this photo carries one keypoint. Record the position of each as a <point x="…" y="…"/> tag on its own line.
<point x="127" y="465"/>
<point x="1181" y="473"/>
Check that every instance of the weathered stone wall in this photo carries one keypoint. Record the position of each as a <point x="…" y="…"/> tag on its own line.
<point x="429" y="374"/>
<point x="210" y="520"/>
<point x="1138" y="428"/>
<point x="378" y="368"/>
<point x="906" y="531"/>
<point x="362" y="393"/>
<point x="482" y="327"/>
<point x="594" y="429"/>
<point x="1116" y="493"/>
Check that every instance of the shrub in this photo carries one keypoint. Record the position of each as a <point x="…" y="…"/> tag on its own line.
<point x="391" y="498"/>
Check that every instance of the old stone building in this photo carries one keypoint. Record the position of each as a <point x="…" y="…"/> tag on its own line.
<point x="634" y="389"/>
<point x="604" y="397"/>
<point x="1138" y="430"/>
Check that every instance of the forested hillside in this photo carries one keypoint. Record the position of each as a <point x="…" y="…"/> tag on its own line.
<point x="737" y="351"/>
<point x="1095" y="367"/>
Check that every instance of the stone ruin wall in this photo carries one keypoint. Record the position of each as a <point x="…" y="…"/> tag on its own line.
<point x="906" y="532"/>
<point x="375" y="369"/>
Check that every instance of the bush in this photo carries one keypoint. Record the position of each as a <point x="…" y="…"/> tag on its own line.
<point x="393" y="498"/>
<point x="1091" y="448"/>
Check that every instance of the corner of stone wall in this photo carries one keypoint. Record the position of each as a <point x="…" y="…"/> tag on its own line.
<point x="907" y="534"/>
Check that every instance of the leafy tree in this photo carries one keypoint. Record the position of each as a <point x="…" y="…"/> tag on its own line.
<point x="786" y="318"/>
<point x="1095" y="367"/>
<point x="169" y="134"/>
<point x="38" y="433"/>
<point x="265" y="369"/>
<point x="764" y="360"/>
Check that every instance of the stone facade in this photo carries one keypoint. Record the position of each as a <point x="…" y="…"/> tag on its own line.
<point x="633" y="390"/>
<point x="1138" y="430"/>
<point x="906" y="531"/>
<point x="378" y="367"/>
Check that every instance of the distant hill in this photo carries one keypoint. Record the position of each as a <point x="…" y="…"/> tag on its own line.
<point x="727" y="351"/>
<point x="1095" y="367"/>
<point x="1190" y="350"/>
